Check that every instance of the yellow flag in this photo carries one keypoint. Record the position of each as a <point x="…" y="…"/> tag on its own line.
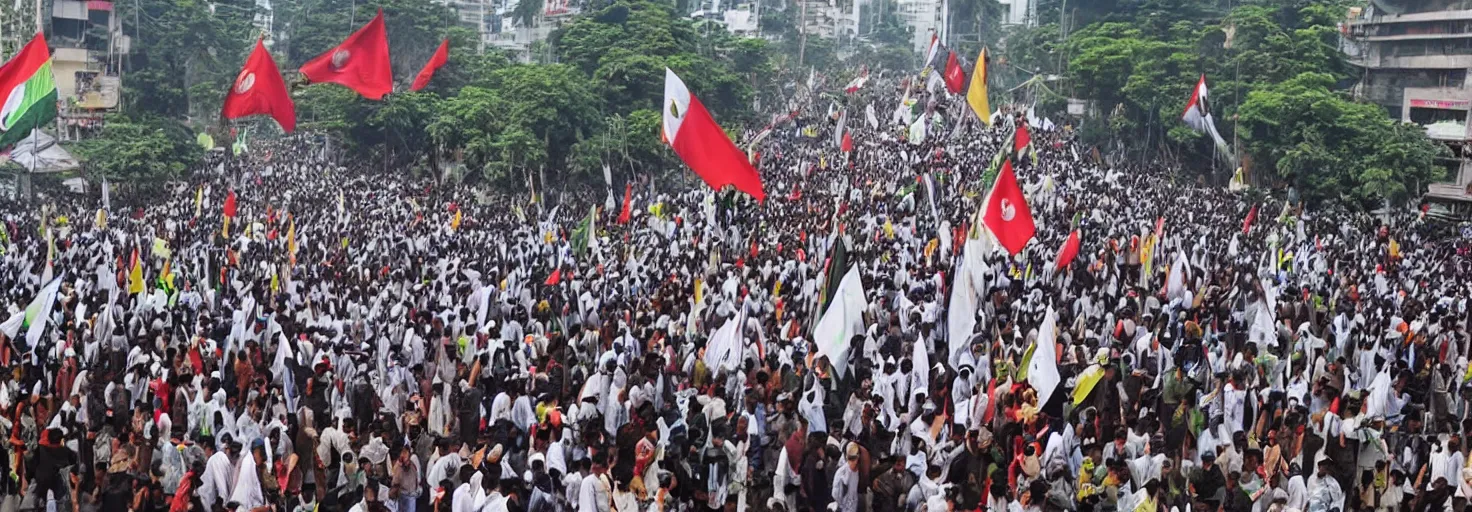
<point x="699" y="291"/>
<point x="275" y="283"/>
<point x="199" y="200"/>
<point x="135" y="275"/>
<point x="455" y="224"/>
<point x="161" y="248"/>
<point x="166" y="276"/>
<point x="1394" y="249"/>
<point x="101" y="222"/>
<point x="226" y="230"/>
<point x="976" y="96"/>
<point x="291" y="236"/>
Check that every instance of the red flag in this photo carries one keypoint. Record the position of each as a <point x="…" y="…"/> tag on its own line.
<point x="360" y="63"/>
<point x="702" y="144"/>
<point x="848" y="142"/>
<point x="627" y="211"/>
<point x="955" y="76"/>
<point x="930" y="52"/>
<point x="259" y="89"/>
<point x="435" y="63"/>
<point x="1021" y="139"/>
<point x="1251" y="216"/>
<point x="1067" y="253"/>
<point x="230" y="204"/>
<point x="553" y="279"/>
<point x="1006" y="214"/>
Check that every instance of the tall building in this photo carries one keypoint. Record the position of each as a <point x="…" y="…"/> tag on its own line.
<point x="828" y="19"/>
<point x="923" y="17"/>
<point x="1413" y="57"/>
<point x="1019" y="12"/>
<point x="88" y="47"/>
<point x="265" y="18"/>
<point x="493" y="20"/>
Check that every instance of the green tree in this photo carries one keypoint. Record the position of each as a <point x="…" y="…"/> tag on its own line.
<point x="528" y="116"/>
<point x="307" y="28"/>
<point x="629" y="145"/>
<point x="625" y="46"/>
<point x="144" y="150"/>
<point x="185" y="55"/>
<point x="1332" y="148"/>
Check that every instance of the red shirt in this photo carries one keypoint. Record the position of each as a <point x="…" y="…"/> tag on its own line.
<point x="180" y="502"/>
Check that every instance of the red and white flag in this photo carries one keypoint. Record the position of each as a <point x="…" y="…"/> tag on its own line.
<point x="436" y="62"/>
<point x="1021" y="139"/>
<point x="701" y="144"/>
<point x="1198" y="110"/>
<point x="1067" y="252"/>
<point x="360" y="63"/>
<point x="1007" y="215"/>
<point x="259" y="89"/>
<point x="1198" y="117"/>
<point x="932" y="50"/>
<point x="858" y="81"/>
<point x="955" y="76"/>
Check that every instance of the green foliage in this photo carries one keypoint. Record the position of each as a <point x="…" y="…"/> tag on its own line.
<point x="629" y="145"/>
<point x="528" y="116"/>
<point x="306" y="28"/>
<point x="144" y="149"/>
<point x="185" y="54"/>
<point x="1329" y="147"/>
<point x="1272" y="66"/>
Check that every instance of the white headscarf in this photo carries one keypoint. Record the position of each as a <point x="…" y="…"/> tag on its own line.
<point x="248" y="485"/>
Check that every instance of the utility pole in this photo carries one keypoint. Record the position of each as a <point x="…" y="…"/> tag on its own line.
<point x="802" y="31"/>
<point x="945" y="22"/>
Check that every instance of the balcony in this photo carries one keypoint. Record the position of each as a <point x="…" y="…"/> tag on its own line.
<point x="1414" y="18"/>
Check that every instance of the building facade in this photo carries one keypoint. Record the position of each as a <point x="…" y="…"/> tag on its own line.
<point x="88" y="46"/>
<point x="1413" y="58"/>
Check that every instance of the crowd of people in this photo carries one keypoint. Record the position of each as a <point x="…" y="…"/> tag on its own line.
<point x="360" y="340"/>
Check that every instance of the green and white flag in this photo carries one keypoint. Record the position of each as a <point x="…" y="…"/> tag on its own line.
<point x="33" y="319"/>
<point x="27" y="92"/>
<point x="584" y="236"/>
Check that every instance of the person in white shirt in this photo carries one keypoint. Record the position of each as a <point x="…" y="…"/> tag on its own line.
<point x="594" y="491"/>
<point x="215" y="485"/>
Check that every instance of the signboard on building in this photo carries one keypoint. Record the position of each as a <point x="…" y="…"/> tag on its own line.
<point x="1442" y="104"/>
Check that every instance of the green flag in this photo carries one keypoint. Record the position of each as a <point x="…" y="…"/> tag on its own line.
<point x="27" y="82"/>
<point x="582" y="236"/>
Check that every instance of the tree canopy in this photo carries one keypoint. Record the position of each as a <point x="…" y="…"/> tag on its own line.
<point x="1277" y="65"/>
<point x="1277" y="77"/>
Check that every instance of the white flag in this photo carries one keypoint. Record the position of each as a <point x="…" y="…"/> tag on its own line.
<point x="843" y="319"/>
<point x="1042" y="370"/>
<point x="40" y="311"/>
